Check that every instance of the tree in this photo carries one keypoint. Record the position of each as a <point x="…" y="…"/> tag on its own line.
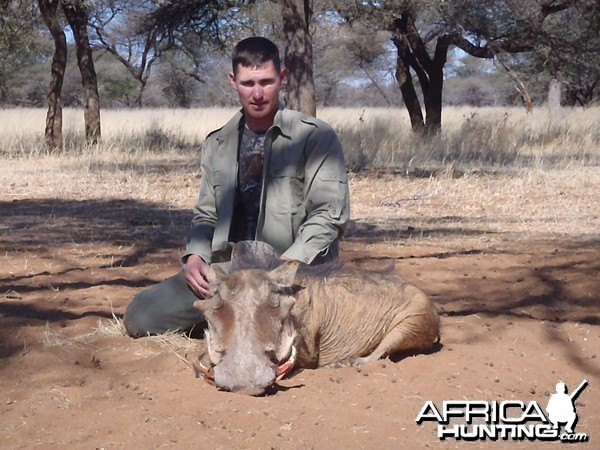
<point x="22" y="46"/>
<point x="215" y="22"/>
<point x="120" y="29"/>
<point x="424" y="31"/>
<point x="53" y="131"/>
<point x="353" y="67"/>
<point x="77" y="14"/>
<point x="297" y="17"/>
<point x="570" y="56"/>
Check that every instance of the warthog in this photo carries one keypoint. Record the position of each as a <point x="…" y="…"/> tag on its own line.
<point x="262" y="323"/>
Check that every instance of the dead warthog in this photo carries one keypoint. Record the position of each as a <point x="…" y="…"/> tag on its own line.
<point x="262" y="323"/>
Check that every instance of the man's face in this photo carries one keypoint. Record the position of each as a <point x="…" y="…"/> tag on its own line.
<point x="258" y="90"/>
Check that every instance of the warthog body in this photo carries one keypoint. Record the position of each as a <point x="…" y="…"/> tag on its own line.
<point x="262" y="323"/>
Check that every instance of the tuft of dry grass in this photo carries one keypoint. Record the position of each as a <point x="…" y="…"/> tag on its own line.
<point x="175" y="342"/>
<point x="111" y="327"/>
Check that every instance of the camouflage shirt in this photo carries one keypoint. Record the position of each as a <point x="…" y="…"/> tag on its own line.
<point x="249" y="188"/>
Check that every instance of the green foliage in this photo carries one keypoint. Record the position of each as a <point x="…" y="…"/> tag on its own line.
<point x="22" y="47"/>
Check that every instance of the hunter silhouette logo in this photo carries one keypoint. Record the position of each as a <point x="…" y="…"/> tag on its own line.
<point x="561" y="406"/>
<point x="472" y="420"/>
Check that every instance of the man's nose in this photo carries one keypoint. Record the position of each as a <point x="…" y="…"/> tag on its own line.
<point x="257" y="92"/>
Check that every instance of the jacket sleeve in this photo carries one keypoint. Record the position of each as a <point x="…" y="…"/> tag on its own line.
<point x="199" y="240"/>
<point x="326" y="197"/>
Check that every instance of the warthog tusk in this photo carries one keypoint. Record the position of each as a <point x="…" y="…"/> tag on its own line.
<point x="203" y="372"/>
<point x="284" y="368"/>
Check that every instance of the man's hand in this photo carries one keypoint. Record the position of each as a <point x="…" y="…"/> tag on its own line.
<point x="196" y="270"/>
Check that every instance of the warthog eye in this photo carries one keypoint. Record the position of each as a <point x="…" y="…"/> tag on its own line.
<point x="271" y="354"/>
<point x="274" y="301"/>
<point x="289" y="291"/>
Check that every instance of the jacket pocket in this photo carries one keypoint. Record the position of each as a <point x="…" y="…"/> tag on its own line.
<point x="333" y="188"/>
<point x="285" y="186"/>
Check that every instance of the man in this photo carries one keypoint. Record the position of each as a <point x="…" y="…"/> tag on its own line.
<point x="270" y="174"/>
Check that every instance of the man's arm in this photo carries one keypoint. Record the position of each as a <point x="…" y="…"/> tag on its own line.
<point x="199" y="240"/>
<point x="197" y="254"/>
<point x="326" y="197"/>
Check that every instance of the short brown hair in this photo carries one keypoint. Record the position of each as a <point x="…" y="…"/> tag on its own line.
<point x="254" y="52"/>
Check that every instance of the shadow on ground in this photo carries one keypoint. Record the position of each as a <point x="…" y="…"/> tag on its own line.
<point x="35" y="225"/>
<point x="558" y="282"/>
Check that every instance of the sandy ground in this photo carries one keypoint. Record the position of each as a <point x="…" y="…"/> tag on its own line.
<point x="519" y="304"/>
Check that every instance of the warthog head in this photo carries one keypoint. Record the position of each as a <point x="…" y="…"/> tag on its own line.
<point x="250" y="335"/>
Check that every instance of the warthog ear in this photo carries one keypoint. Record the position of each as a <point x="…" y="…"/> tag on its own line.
<point x="285" y="274"/>
<point x="211" y="304"/>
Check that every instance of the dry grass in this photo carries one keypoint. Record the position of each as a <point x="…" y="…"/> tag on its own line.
<point x="472" y="138"/>
<point x="111" y="327"/>
<point x="526" y="205"/>
<point x="175" y="342"/>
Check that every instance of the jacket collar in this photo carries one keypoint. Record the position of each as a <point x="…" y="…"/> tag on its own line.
<point x="281" y="122"/>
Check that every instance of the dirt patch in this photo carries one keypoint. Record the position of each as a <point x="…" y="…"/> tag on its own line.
<point x="519" y="305"/>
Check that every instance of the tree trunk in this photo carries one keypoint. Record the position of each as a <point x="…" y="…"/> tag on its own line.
<point x="413" y="54"/>
<point x="297" y="16"/>
<point x="409" y="95"/>
<point x="435" y="88"/>
<point x="77" y="17"/>
<point x="53" y="132"/>
<point x="139" y="95"/>
<point x="433" y="107"/>
<point x="554" y="100"/>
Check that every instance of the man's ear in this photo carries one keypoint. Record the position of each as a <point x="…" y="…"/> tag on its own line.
<point x="283" y="74"/>
<point x="232" y="80"/>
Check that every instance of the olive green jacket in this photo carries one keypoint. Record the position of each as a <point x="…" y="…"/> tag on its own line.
<point x="305" y="200"/>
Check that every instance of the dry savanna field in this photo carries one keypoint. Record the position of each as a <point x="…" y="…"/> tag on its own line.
<point x="497" y="219"/>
